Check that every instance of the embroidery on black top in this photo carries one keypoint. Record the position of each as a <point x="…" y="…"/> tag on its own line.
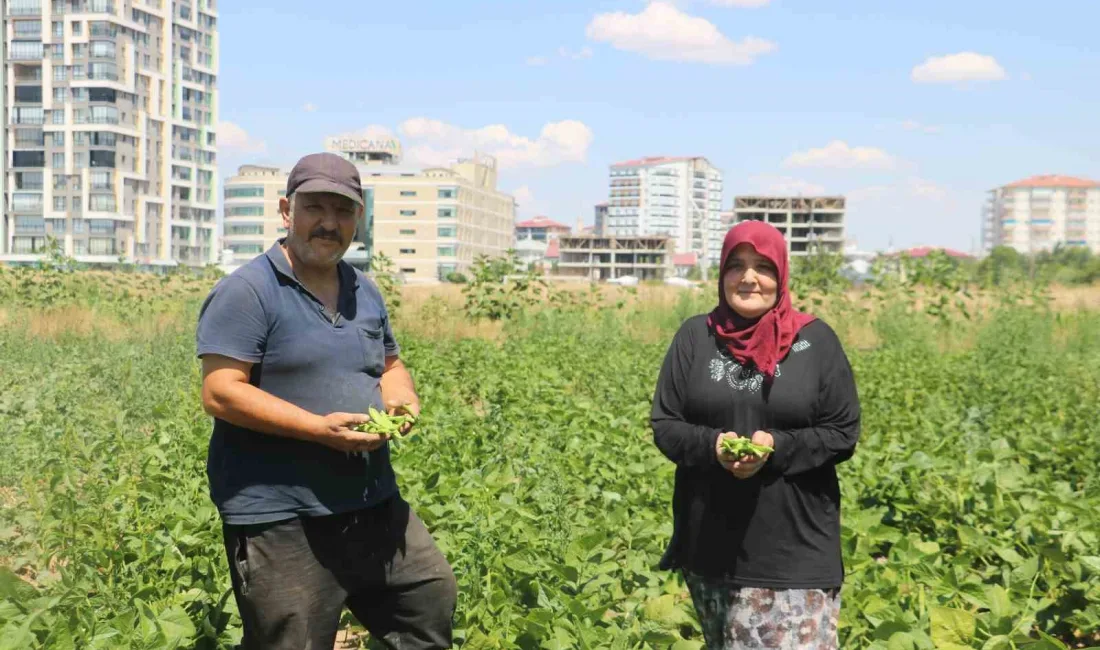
<point x="726" y="368"/>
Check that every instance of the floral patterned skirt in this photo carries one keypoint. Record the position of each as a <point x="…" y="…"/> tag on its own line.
<point x="744" y="618"/>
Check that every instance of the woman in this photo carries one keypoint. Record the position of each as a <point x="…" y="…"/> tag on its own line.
<point x="758" y="539"/>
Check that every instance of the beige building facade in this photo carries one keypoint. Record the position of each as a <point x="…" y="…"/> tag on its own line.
<point x="1041" y="212"/>
<point x="110" y="118"/>
<point x="431" y="222"/>
<point x="251" y="221"/>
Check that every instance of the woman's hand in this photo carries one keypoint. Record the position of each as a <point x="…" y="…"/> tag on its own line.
<point x="745" y="466"/>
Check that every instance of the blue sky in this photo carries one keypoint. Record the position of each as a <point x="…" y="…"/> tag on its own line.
<point x="911" y="109"/>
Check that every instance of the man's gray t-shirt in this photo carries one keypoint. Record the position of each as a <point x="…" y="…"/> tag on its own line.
<point x="261" y="314"/>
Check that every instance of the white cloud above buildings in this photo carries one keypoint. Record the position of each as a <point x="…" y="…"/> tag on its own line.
<point x="231" y="137"/>
<point x="960" y="67"/>
<point x="840" y="155"/>
<point x="663" y="32"/>
<point x="432" y="143"/>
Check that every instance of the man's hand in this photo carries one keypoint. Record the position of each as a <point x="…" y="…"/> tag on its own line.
<point x="745" y="466"/>
<point x="338" y="432"/>
<point x="396" y="407"/>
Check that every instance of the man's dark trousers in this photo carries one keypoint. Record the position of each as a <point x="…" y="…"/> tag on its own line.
<point x="292" y="579"/>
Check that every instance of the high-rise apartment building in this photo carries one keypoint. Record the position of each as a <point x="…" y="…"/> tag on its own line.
<point x="678" y="197"/>
<point x="1041" y="212"/>
<point x="431" y="222"/>
<point x="808" y="223"/>
<point x="109" y="118"/>
<point x="251" y="221"/>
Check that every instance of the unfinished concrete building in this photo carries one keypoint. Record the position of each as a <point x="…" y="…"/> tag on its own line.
<point x="599" y="257"/>
<point x="808" y="223"/>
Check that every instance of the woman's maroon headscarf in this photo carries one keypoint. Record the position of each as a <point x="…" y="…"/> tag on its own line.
<point x="765" y="341"/>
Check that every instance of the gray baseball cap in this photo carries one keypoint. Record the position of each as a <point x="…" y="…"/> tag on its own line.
<point x="325" y="172"/>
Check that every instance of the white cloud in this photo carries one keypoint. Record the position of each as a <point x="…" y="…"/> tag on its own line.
<point x="964" y="66"/>
<point x="431" y="142"/>
<point x="233" y="137"/>
<point x="913" y="125"/>
<point x="839" y="155"/>
<point x="525" y="198"/>
<point x="784" y="185"/>
<point x="913" y="187"/>
<point x="741" y="4"/>
<point x="536" y="60"/>
<point x="309" y="107"/>
<point x="664" y="33"/>
<point x="583" y="53"/>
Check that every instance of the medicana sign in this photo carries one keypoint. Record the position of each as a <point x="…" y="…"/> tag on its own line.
<point x="372" y="145"/>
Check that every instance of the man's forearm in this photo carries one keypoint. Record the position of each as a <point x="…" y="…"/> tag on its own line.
<point x="247" y="406"/>
<point x="397" y="384"/>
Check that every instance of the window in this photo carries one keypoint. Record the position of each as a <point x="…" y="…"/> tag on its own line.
<point x="58" y="160"/>
<point x="100" y="180"/>
<point x="102" y="159"/>
<point x="406" y="269"/>
<point x="245" y="211"/>
<point x="447" y="192"/>
<point x="28" y="158"/>
<point x="247" y="248"/>
<point x="28" y="115"/>
<point x="29" y="94"/>
<point x="101" y="203"/>
<point x="30" y="28"/>
<point x="446" y="251"/>
<point x="98" y="94"/>
<point x="26" y="202"/>
<point x="238" y="192"/>
<point x="244" y="229"/>
<point x="25" y="51"/>
<point x="408" y="251"/>
<point x="24" y="8"/>
<point x="447" y="231"/>
<point x="29" y="138"/>
<point x="408" y="213"/>
<point x="59" y="204"/>
<point x="58" y="29"/>
<point x="408" y="192"/>
<point x="78" y="28"/>
<point x="446" y="213"/>
<point x="408" y="232"/>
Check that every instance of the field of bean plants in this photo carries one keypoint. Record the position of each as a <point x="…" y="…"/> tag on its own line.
<point x="971" y="509"/>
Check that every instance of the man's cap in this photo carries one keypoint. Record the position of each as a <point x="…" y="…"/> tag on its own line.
<point x="325" y="172"/>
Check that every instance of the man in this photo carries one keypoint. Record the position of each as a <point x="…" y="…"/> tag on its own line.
<point x="296" y="345"/>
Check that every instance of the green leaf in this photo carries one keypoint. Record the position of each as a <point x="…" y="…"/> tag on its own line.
<point x="952" y="627"/>
<point x="176" y="626"/>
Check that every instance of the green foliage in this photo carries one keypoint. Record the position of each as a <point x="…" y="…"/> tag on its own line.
<point x="970" y="513"/>
<point x="819" y="273"/>
<point x="384" y="276"/>
<point x="498" y="291"/>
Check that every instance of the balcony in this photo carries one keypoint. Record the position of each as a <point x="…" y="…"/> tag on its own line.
<point x="24" y="8"/>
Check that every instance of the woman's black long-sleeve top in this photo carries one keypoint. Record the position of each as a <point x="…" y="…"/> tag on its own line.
<point x="781" y="527"/>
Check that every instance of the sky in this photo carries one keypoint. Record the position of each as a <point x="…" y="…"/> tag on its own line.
<point x="912" y="110"/>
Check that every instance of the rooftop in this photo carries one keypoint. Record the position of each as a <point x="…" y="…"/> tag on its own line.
<point x="542" y="222"/>
<point x="685" y="259"/>
<point x="553" y="250"/>
<point x="1054" y="180"/>
<point x="653" y="160"/>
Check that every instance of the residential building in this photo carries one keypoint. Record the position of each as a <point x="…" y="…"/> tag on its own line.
<point x="684" y="263"/>
<point x="541" y="229"/>
<point x="677" y="197"/>
<point x="601" y="219"/>
<point x="533" y="237"/>
<point x="431" y="222"/>
<point x="598" y="257"/>
<point x="251" y="222"/>
<point x="808" y="223"/>
<point x="1041" y="212"/>
<point x="110" y="115"/>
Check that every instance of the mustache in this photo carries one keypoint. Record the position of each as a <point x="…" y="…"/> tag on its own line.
<point x="321" y="233"/>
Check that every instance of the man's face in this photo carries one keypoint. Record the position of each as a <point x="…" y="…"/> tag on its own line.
<point x="320" y="228"/>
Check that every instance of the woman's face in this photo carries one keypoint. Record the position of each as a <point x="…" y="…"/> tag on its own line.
<point x="750" y="281"/>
